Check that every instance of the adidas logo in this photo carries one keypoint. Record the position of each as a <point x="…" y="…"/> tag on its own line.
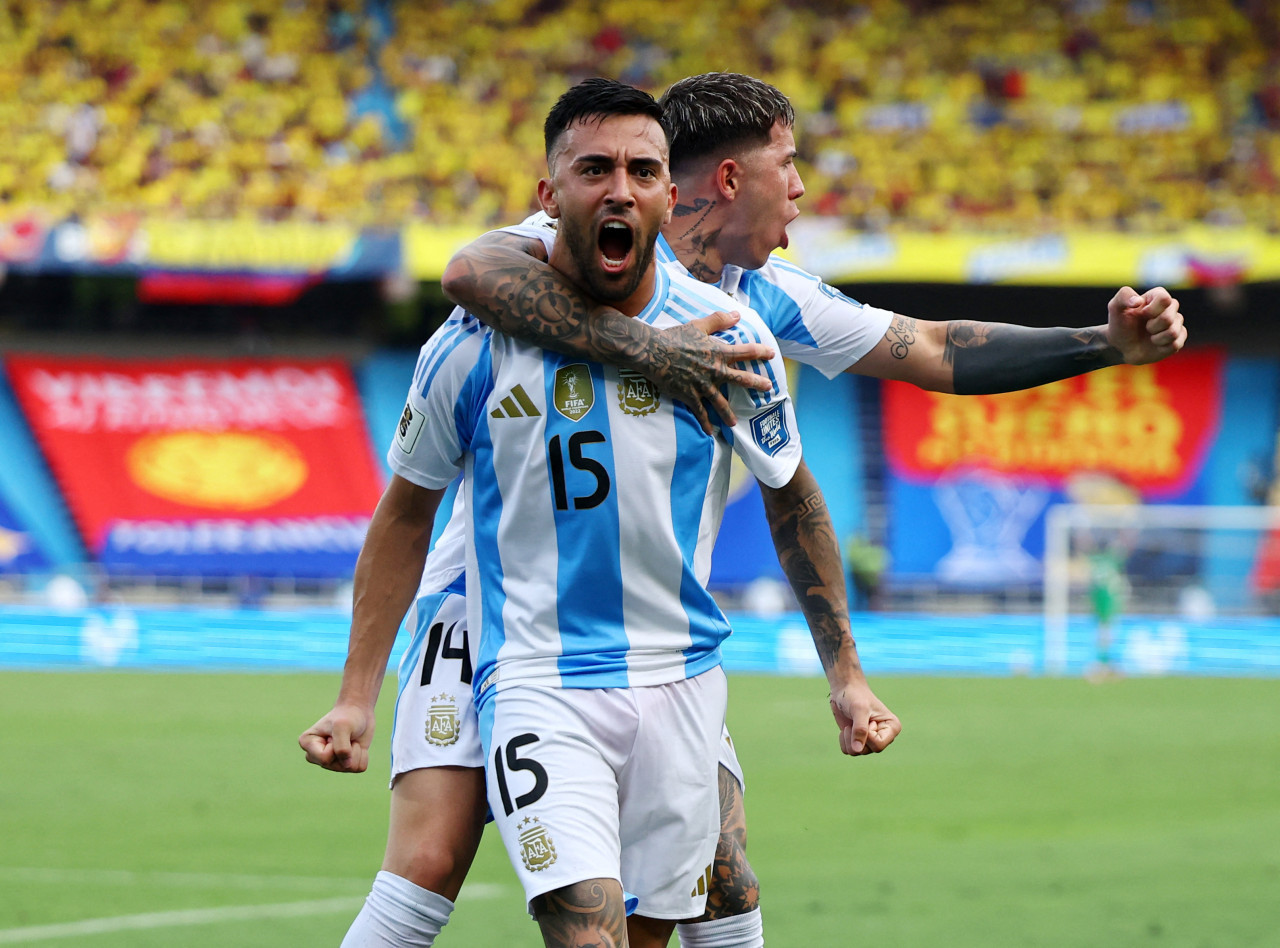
<point x="703" y="884"/>
<point x="516" y="405"/>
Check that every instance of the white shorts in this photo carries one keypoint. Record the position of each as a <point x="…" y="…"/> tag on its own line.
<point x="435" y="721"/>
<point x="609" y="783"/>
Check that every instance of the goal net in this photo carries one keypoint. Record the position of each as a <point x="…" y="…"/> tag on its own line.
<point x="1120" y="579"/>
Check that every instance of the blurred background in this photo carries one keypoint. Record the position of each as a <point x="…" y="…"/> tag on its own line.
<point x="222" y="227"/>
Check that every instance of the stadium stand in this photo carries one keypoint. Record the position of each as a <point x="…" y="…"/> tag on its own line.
<point x="1017" y="116"/>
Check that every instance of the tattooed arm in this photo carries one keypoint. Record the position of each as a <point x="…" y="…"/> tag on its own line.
<point x="810" y="556"/>
<point x="505" y="281"/>
<point x="978" y="358"/>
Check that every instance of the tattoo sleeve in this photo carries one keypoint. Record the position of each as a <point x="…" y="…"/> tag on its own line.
<point x="734" y="890"/>
<point x="987" y="358"/>
<point x="805" y="541"/>
<point x="583" y="915"/>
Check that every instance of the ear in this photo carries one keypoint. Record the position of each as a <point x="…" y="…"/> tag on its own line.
<point x="671" y="204"/>
<point x="728" y="179"/>
<point x="547" y="197"/>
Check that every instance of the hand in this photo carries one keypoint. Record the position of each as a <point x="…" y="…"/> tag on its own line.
<point x="881" y="727"/>
<point x="1145" y="328"/>
<point x="340" y="740"/>
<point x="691" y="365"/>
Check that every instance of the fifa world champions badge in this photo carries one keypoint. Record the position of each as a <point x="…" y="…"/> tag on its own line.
<point x="443" y="725"/>
<point x="573" y="393"/>
<point x="537" y="851"/>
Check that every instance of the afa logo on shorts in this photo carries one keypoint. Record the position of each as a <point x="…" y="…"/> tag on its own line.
<point x="770" y="430"/>
<point x="443" y="725"/>
<point x="537" y="851"/>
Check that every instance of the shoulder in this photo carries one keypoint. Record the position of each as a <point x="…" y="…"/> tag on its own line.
<point x="535" y="227"/>
<point x="793" y="280"/>
<point x="457" y="345"/>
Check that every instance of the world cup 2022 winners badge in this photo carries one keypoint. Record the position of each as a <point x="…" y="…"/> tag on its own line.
<point x="442" y="721"/>
<point x="537" y="851"/>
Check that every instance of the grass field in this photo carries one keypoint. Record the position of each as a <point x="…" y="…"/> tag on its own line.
<point x="153" y="809"/>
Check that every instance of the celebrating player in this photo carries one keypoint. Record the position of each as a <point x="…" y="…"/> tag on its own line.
<point x="580" y="693"/>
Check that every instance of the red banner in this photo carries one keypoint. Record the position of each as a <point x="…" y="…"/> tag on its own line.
<point x="1148" y="426"/>
<point x="253" y="445"/>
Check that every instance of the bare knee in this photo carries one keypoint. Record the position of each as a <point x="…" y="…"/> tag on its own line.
<point x="437" y="816"/>
<point x="646" y="932"/>
<point x="584" y="913"/>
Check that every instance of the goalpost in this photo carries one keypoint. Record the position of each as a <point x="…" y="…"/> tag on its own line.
<point x="1193" y="562"/>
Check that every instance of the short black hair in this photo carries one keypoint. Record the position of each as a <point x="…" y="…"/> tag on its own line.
<point x="718" y="112"/>
<point x="597" y="98"/>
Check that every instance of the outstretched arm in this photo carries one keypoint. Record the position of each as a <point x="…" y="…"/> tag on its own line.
<point x="810" y="558"/>
<point x="505" y="281"/>
<point x="977" y="358"/>
<point x="387" y="574"/>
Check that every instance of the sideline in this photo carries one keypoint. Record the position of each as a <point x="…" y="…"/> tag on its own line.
<point x="188" y="917"/>
<point x="228" y="913"/>
<point x="203" y="880"/>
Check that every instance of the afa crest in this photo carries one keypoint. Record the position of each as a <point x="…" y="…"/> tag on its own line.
<point x="636" y="394"/>
<point x="443" y="726"/>
<point x="573" y="393"/>
<point x="537" y="851"/>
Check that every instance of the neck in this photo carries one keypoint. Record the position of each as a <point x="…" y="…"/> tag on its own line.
<point x="694" y="235"/>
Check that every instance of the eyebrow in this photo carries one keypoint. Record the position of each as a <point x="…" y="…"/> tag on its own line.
<point x="609" y="160"/>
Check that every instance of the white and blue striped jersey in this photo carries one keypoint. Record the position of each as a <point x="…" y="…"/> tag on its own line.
<point x="594" y="501"/>
<point x="813" y="322"/>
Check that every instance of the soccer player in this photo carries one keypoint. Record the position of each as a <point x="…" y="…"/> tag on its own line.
<point x="588" y="546"/>
<point x="732" y="159"/>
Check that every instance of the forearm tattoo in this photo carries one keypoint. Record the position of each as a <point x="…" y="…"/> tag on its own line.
<point x="581" y="916"/>
<point x="988" y="358"/>
<point x="530" y="300"/>
<point x="806" y="544"/>
<point x="735" y="890"/>
<point x="902" y="332"/>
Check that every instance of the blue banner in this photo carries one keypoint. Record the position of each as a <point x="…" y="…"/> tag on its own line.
<point x="254" y="640"/>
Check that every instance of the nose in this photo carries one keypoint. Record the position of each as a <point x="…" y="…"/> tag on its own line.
<point x="619" y="190"/>
<point x="796" y="185"/>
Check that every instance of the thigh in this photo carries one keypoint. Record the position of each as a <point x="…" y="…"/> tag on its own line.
<point x="437" y="818"/>
<point x="435" y="719"/>
<point x="552" y="761"/>
<point x="670" y="816"/>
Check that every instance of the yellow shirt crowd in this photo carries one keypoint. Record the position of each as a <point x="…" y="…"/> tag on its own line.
<point x="1020" y="116"/>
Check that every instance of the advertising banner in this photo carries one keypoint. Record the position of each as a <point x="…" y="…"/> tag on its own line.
<point x="206" y="467"/>
<point x="972" y="476"/>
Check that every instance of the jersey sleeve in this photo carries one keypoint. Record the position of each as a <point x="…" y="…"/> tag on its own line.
<point x="813" y="322"/>
<point x="766" y="436"/>
<point x="537" y="227"/>
<point x="448" y="389"/>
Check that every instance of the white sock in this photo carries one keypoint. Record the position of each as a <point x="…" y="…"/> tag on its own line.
<point x="398" y="914"/>
<point x="734" y="931"/>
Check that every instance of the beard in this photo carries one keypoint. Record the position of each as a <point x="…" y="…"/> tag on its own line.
<point x="604" y="287"/>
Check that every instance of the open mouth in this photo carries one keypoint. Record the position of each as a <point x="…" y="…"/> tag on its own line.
<point x="615" y="243"/>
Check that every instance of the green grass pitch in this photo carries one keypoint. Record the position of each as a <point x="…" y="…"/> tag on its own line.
<point x="175" y="809"/>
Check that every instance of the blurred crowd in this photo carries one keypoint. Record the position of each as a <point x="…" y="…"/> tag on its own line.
<point x="1009" y="115"/>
